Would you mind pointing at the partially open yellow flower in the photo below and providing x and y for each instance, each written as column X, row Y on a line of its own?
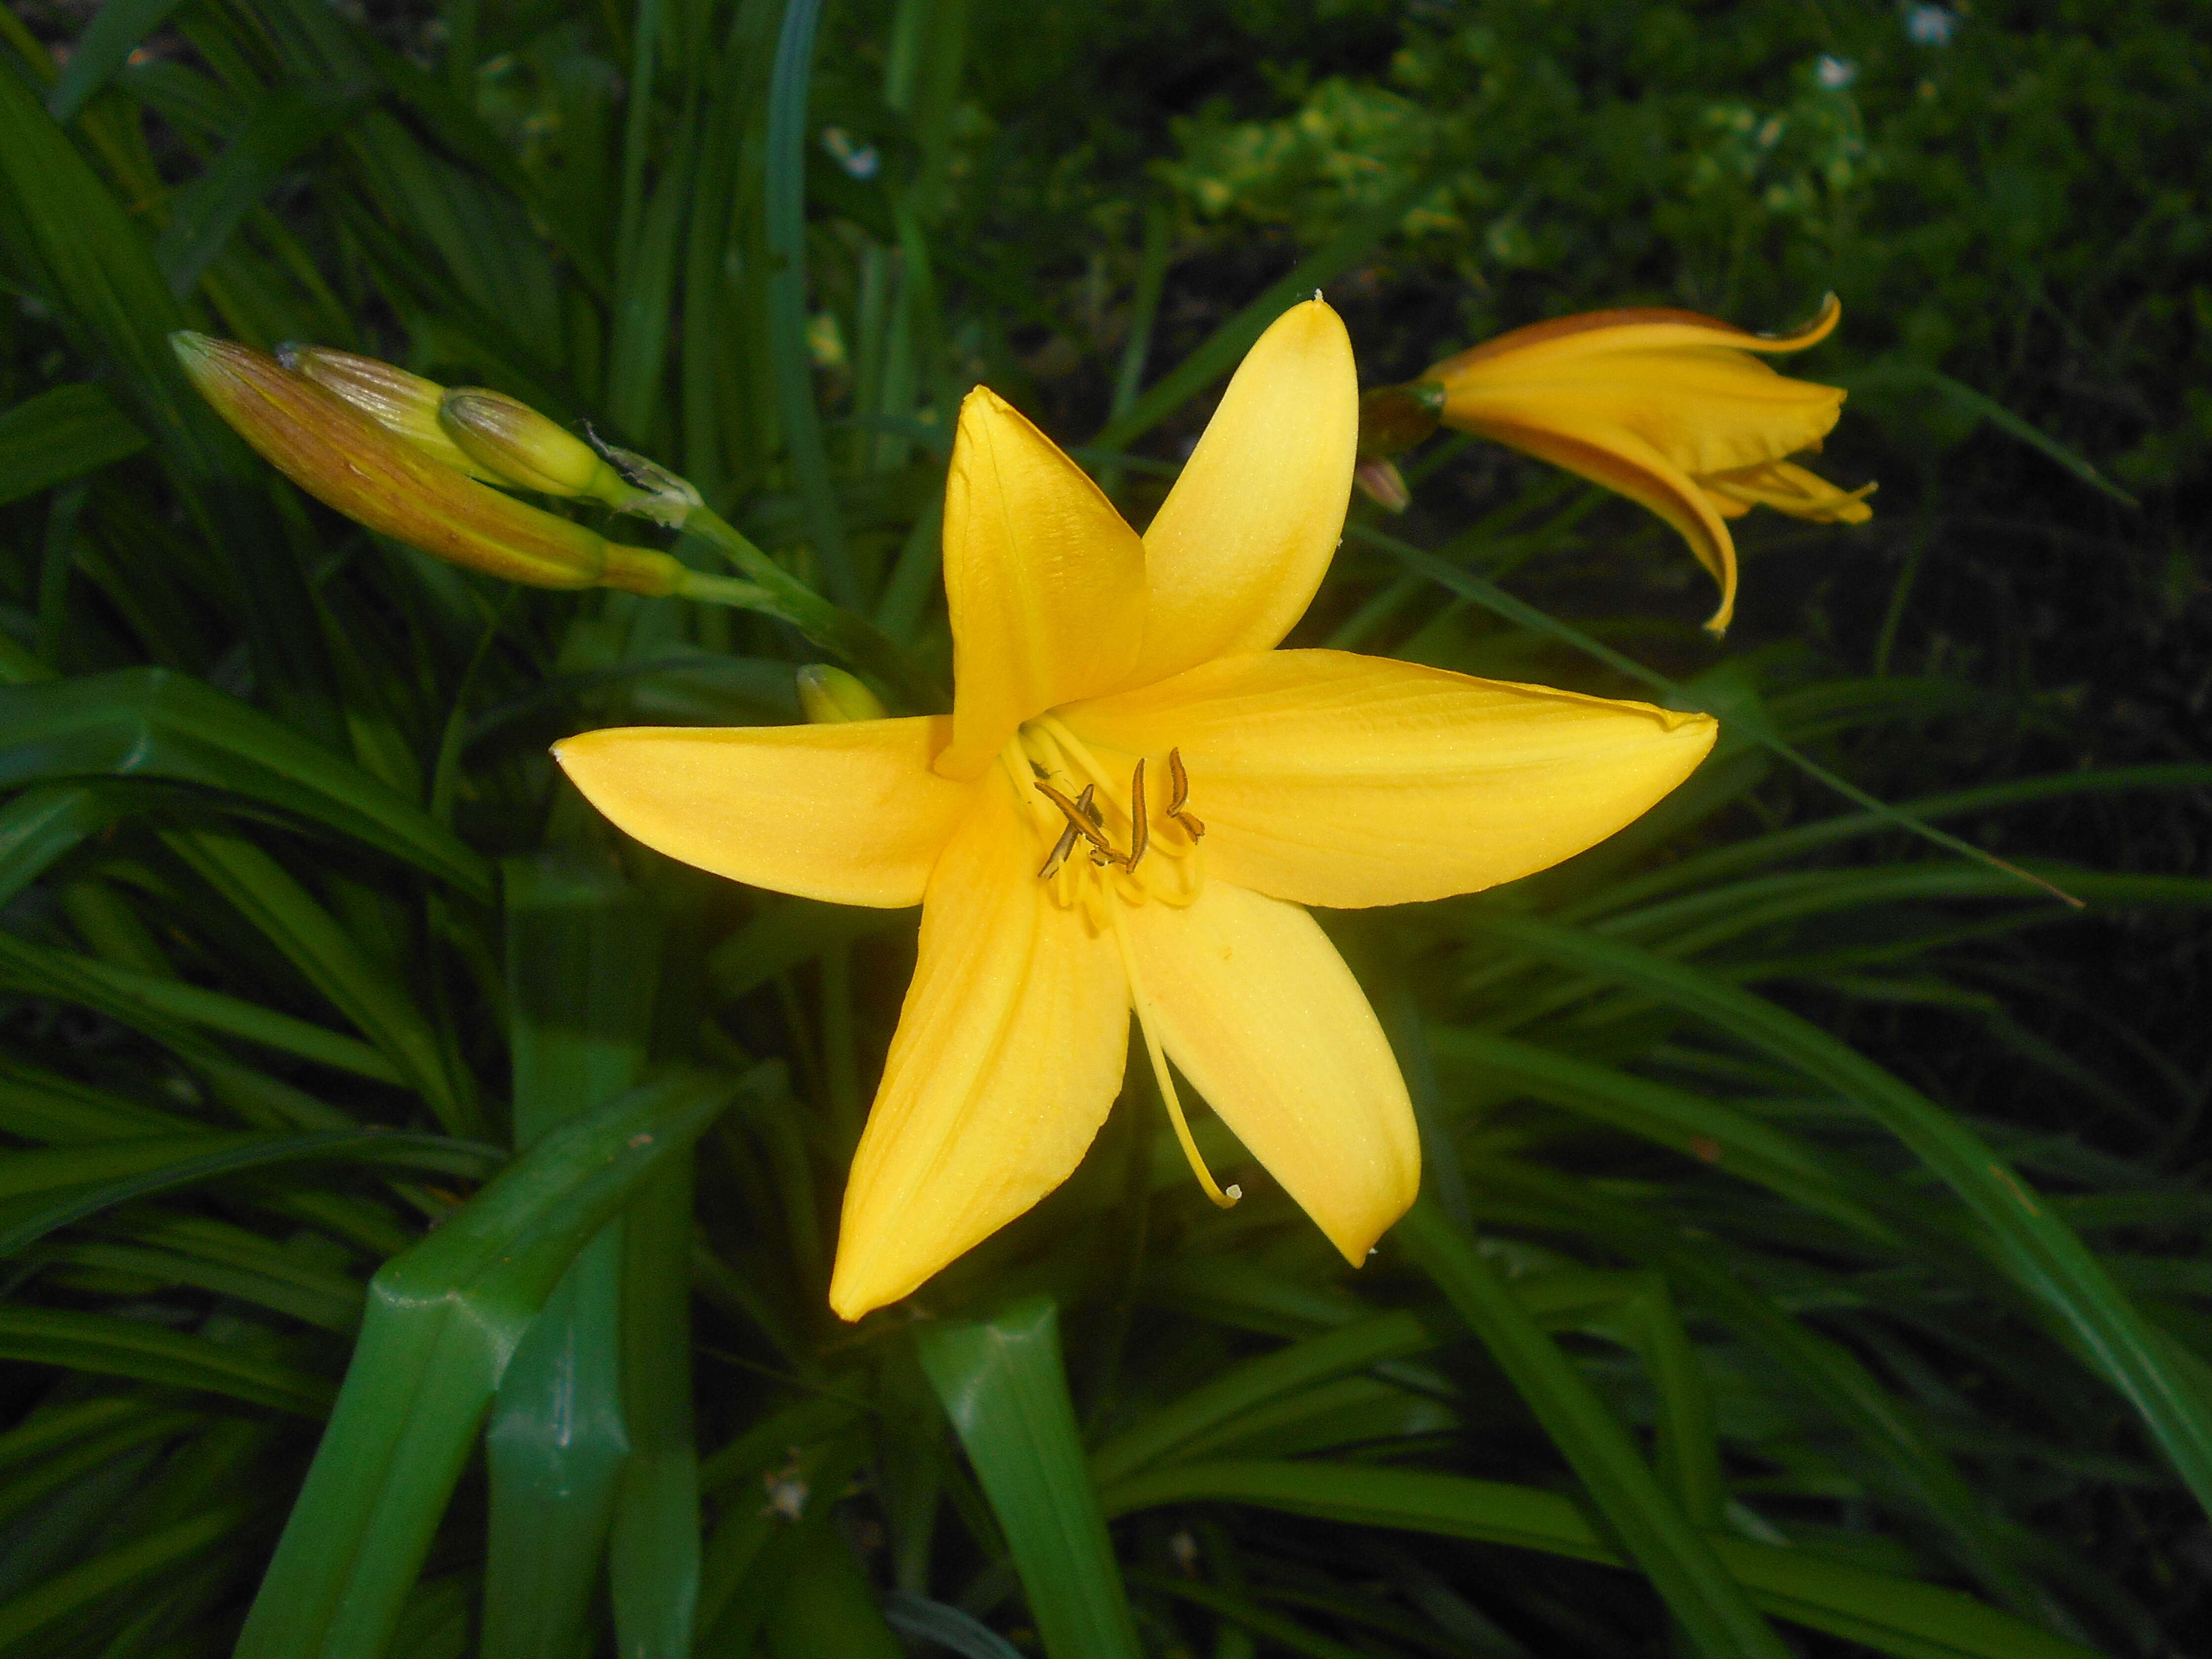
column 1131, row 802
column 1669, row 408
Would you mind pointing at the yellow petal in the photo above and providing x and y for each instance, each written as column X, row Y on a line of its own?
column 1008, row 1053
column 1706, row 409
column 1253, row 1003
column 851, row 814
column 1646, row 328
column 1624, row 464
column 1045, row 583
column 1332, row 778
column 1787, row 488
column 1237, row 551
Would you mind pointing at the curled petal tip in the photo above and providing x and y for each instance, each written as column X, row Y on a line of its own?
column 1822, row 324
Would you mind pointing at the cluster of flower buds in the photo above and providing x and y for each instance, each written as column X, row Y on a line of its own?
column 412, row 460
column 1670, row 409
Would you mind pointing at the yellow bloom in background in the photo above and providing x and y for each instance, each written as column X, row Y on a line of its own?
column 1132, row 801
column 1671, row 409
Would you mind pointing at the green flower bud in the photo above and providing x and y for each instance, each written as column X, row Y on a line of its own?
column 522, row 447
column 830, row 696
column 345, row 459
column 1377, row 477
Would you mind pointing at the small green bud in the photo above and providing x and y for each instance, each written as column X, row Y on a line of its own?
column 521, row 446
column 1393, row 418
column 1377, row 477
column 830, row 696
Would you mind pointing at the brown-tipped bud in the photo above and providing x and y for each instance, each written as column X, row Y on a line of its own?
column 522, row 447
column 403, row 404
column 346, row 460
column 1377, row 478
column 830, row 696
column 1393, row 418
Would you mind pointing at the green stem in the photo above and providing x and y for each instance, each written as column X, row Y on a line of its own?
column 775, row 591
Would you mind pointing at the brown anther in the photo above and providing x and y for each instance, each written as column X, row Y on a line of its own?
column 1078, row 820
column 1140, row 827
column 1193, row 826
column 1068, row 837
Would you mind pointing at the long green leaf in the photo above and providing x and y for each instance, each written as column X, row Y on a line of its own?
column 165, row 1009
column 173, row 1359
column 444, row 1322
column 785, row 214
column 151, row 723
column 61, row 434
column 582, row 962
column 2032, row 1242
column 96, row 1580
column 1676, row 1556
column 280, row 128
column 47, row 1190
column 263, row 892
column 115, row 32
column 1228, row 343
column 1892, row 1615
column 100, row 274
column 1002, row 1384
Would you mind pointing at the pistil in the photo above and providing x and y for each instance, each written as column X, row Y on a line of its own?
column 1224, row 1199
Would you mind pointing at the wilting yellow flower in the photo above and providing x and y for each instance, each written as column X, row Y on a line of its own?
column 1669, row 408
column 386, row 473
column 1130, row 803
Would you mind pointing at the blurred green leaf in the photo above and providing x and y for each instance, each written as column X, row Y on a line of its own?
column 173, row 1359
column 42, row 1191
column 1654, row 1532
column 1891, row 1615
column 148, row 722
column 61, row 434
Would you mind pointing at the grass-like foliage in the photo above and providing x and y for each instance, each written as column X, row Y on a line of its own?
column 418, row 1199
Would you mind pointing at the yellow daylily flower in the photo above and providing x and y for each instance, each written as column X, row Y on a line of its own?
column 1669, row 408
column 1132, row 802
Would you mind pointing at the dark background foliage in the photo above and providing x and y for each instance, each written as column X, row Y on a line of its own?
column 1068, row 201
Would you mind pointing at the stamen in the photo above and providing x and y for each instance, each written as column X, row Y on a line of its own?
column 1222, row 1199
column 1193, row 827
column 1140, row 827
column 1065, row 844
column 1079, row 821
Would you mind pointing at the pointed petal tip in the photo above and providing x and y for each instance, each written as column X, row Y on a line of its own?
column 1356, row 1242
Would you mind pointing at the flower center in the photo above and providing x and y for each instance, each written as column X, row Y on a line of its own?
column 1104, row 839
column 1105, row 847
